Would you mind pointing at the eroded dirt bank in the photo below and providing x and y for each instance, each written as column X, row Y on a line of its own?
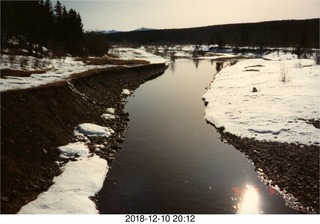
column 34, row 122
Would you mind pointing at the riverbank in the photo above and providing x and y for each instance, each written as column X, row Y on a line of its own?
column 292, row 169
column 267, row 109
column 36, row 121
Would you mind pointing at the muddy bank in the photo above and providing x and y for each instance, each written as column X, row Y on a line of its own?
column 34, row 122
column 293, row 168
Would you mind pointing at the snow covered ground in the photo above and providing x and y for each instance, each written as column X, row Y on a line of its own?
column 81, row 178
column 137, row 54
column 287, row 97
column 59, row 69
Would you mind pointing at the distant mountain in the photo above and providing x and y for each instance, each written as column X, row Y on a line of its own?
column 118, row 31
column 109, row 31
column 143, row 29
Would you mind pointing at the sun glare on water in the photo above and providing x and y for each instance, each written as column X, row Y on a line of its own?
column 247, row 200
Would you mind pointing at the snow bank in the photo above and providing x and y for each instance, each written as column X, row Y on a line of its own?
column 71, row 190
column 88, row 129
column 278, row 111
column 58, row 69
column 138, row 54
column 54, row 70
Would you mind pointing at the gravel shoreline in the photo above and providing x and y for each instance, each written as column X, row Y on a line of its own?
column 293, row 168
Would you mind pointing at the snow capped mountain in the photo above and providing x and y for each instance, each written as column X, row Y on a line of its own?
column 118, row 31
column 110, row 31
column 143, row 29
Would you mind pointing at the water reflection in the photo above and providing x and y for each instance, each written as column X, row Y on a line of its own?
column 172, row 66
column 196, row 63
column 247, row 200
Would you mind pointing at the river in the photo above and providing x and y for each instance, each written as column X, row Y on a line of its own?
column 172, row 161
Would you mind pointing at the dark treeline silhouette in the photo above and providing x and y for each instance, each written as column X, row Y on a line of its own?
column 288, row 33
column 40, row 23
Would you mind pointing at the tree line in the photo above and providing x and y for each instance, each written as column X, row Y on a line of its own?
column 53, row 26
column 287, row 33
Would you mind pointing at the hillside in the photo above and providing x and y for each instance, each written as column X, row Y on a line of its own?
column 288, row 33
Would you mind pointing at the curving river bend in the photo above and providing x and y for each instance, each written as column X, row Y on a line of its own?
column 174, row 162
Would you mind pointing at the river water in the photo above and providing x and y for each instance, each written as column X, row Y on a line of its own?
column 172, row 161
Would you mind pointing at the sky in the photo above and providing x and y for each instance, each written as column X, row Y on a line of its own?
column 165, row 14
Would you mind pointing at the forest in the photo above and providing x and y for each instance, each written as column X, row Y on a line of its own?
column 287, row 33
column 37, row 24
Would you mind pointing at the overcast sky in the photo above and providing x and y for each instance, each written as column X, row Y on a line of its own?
column 162, row 14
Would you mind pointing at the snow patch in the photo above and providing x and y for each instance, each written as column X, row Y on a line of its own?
column 73, row 150
column 71, row 190
column 137, row 54
column 278, row 110
column 81, row 178
column 89, row 129
column 110, row 110
column 126, row 92
column 108, row 116
column 280, row 56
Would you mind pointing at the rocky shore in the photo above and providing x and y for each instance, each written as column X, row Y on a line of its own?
column 34, row 122
column 293, row 169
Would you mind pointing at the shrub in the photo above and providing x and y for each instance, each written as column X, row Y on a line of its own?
column 284, row 73
column 12, row 58
column 317, row 58
column 23, row 62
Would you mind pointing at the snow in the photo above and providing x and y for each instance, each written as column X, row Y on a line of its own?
column 108, row 116
column 278, row 110
column 73, row 150
column 55, row 70
column 280, row 56
column 137, row 54
column 89, row 129
column 71, row 190
column 126, row 92
column 110, row 110
column 81, row 178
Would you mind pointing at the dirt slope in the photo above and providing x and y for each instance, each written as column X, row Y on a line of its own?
column 34, row 122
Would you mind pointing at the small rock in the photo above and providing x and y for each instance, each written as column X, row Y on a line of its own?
column 110, row 159
column 254, row 90
column 116, row 146
column 120, row 140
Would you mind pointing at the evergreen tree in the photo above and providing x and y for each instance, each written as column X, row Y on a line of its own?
column 38, row 22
